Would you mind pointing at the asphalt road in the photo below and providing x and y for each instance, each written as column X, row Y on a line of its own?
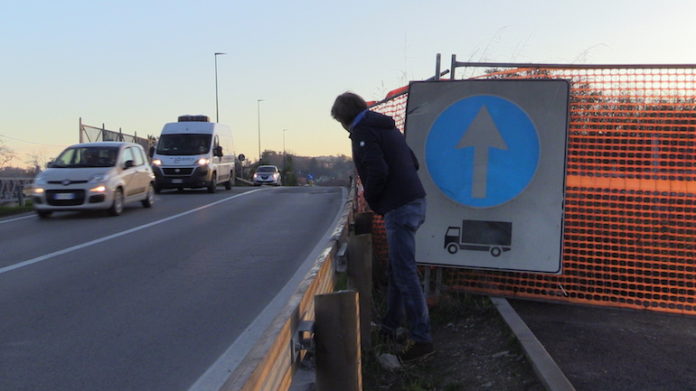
column 613, row 349
column 151, row 299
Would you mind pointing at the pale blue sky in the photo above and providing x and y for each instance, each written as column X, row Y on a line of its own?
column 139, row 64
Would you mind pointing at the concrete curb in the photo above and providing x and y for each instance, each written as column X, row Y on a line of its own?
column 543, row 364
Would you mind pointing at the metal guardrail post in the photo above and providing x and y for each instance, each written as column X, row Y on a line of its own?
column 337, row 339
column 360, row 278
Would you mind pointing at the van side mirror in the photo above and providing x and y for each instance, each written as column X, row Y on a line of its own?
column 128, row 164
column 218, row 151
column 49, row 164
column 151, row 151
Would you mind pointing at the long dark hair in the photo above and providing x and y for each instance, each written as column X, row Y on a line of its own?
column 346, row 107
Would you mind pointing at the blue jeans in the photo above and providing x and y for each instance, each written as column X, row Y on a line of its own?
column 405, row 293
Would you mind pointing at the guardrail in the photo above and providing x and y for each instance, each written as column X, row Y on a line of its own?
column 271, row 364
column 12, row 189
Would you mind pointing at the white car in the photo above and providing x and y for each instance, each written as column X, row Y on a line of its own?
column 267, row 175
column 105, row 175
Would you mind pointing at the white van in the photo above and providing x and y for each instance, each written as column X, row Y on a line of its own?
column 194, row 152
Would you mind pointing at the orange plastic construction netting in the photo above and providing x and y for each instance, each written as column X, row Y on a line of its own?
column 630, row 197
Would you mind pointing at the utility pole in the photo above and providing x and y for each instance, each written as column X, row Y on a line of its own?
column 258, row 114
column 217, row 110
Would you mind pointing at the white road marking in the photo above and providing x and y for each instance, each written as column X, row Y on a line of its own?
column 15, row 219
column 113, row 236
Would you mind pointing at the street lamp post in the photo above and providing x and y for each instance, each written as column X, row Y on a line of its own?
column 217, row 110
column 258, row 114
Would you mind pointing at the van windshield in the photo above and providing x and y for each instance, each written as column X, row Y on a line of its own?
column 183, row 144
column 81, row 157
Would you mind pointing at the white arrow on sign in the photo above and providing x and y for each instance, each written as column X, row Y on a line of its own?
column 482, row 134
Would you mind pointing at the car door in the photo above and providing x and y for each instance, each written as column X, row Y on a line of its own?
column 129, row 175
column 142, row 171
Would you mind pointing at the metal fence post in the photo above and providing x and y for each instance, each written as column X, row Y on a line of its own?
column 20, row 195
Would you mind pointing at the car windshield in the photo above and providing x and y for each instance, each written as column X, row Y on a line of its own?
column 80, row 157
column 183, row 144
column 267, row 169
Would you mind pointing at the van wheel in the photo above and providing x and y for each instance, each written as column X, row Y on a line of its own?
column 150, row 197
column 117, row 206
column 212, row 185
column 452, row 248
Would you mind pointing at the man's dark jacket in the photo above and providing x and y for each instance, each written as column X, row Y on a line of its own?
column 386, row 165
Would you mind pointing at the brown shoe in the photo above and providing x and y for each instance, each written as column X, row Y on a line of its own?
column 417, row 351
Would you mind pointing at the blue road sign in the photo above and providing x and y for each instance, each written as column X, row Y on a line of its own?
column 482, row 151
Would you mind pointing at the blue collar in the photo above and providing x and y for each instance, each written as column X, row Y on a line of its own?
column 357, row 119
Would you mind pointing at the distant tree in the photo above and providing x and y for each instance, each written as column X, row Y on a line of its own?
column 6, row 154
column 36, row 161
column 289, row 176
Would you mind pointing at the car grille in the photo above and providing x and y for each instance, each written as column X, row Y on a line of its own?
column 78, row 197
column 184, row 171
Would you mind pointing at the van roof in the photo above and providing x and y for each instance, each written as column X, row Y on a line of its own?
column 190, row 127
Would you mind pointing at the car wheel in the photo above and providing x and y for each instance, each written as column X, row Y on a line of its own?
column 117, row 206
column 150, row 197
column 229, row 183
column 44, row 214
column 452, row 248
column 212, row 185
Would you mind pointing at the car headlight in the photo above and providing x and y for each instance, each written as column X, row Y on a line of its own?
column 38, row 190
column 98, row 189
column 98, row 178
column 156, row 162
column 203, row 161
column 256, row 176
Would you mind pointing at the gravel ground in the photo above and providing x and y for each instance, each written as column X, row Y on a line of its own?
column 475, row 350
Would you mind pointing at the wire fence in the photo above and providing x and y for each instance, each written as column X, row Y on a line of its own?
column 12, row 189
column 90, row 133
column 630, row 207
